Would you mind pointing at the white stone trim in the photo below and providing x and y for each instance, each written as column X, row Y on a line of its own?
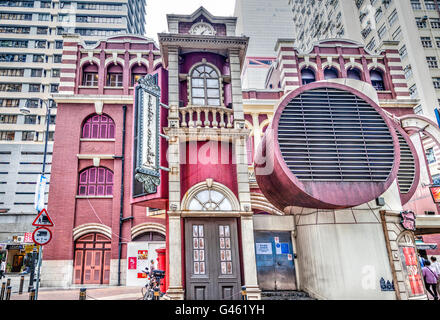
column 210, row 184
column 91, row 60
column 86, row 228
column 147, row 227
column 139, row 60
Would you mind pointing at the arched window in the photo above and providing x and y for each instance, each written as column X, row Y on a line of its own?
column 90, row 75
column 150, row 236
column 114, row 76
column 205, row 86
column 307, row 76
column 137, row 72
column 210, row 200
column 354, row 74
column 95, row 181
column 98, row 127
column 330, row 73
column 377, row 80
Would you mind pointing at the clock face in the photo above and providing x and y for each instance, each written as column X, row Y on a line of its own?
column 202, row 29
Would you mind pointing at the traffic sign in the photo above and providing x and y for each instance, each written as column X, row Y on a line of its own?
column 43, row 220
column 42, row 236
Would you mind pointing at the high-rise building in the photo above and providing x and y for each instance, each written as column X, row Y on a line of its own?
column 263, row 22
column 31, row 44
column 414, row 24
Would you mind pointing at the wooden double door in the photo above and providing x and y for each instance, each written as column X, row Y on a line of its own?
column 92, row 260
column 212, row 259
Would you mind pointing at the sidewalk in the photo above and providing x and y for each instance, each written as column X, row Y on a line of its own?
column 108, row 293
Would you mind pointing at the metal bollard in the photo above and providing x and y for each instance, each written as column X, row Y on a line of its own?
column 82, row 294
column 243, row 293
column 20, row 289
column 156, row 294
column 2, row 293
column 32, row 294
column 8, row 293
column 8, row 282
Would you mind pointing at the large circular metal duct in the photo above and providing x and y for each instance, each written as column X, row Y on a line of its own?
column 330, row 147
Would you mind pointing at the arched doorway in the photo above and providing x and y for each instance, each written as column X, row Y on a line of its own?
column 92, row 259
column 146, row 239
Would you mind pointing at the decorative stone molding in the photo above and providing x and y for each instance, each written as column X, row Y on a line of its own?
column 210, row 184
column 259, row 201
column 84, row 229
column 147, row 227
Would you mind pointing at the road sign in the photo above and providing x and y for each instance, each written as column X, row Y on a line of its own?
column 42, row 236
column 43, row 220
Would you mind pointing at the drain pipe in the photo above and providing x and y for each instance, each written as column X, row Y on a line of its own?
column 121, row 213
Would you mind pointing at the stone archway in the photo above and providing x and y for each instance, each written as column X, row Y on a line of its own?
column 421, row 124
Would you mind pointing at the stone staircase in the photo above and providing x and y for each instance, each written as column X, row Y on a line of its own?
column 285, row 295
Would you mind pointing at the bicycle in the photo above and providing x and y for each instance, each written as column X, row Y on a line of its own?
column 153, row 284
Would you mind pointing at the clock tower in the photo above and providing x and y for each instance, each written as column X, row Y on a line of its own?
column 209, row 220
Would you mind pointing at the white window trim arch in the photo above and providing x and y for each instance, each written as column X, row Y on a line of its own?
column 209, row 184
column 87, row 228
column 220, row 81
column 148, row 227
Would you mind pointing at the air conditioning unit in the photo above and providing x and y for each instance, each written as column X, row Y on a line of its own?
column 20, row 238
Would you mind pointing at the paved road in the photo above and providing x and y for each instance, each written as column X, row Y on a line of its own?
column 108, row 293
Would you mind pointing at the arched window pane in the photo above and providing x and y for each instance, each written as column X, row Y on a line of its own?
column 377, row 80
column 210, row 200
column 205, row 86
column 307, row 76
column 95, row 182
column 330, row 73
column 354, row 74
column 98, row 127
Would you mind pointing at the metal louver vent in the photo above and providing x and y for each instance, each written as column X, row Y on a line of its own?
column 328, row 134
column 407, row 170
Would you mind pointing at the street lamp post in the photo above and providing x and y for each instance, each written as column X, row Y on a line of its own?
column 50, row 103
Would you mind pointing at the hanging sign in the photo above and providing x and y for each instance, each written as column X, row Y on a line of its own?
column 43, row 220
column 42, row 236
column 39, row 193
column 147, row 137
column 28, row 237
column 408, row 220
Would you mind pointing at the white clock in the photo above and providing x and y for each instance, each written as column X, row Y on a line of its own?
column 202, row 28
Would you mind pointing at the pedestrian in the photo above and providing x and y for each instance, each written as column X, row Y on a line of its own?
column 421, row 261
column 435, row 265
column 431, row 278
column 152, row 265
column 2, row 269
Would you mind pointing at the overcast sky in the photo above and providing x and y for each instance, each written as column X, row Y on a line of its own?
column 158, row 9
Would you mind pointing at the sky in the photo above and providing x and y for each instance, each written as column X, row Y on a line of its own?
column 158, row 9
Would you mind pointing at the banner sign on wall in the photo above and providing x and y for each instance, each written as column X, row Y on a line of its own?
column 435, row 193
column 142, row 263
column 132, row 265
column 413, row 277
column 147, row 133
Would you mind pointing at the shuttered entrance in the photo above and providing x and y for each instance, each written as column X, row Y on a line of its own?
column 92, row 259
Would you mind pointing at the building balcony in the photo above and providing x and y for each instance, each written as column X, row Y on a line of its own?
column 206, row 117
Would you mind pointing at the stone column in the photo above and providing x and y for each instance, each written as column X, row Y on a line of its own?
column 175, row 289
column 237, row 98
column 249, row 265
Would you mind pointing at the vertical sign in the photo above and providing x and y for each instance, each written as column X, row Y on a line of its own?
column 411, row 270
column 39, row 193
column 147, row 136
column 142, row 263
